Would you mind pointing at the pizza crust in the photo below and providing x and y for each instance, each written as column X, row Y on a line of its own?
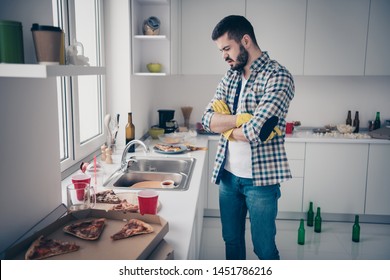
column 43, row 248
column 131, row 228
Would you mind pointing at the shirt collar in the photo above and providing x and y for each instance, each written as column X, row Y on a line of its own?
column 256, row 65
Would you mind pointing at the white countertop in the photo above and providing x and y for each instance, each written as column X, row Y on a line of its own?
column 309, row 136
column 334, row 137
column 177, row 207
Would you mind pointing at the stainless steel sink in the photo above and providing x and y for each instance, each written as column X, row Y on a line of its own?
column 143, row 168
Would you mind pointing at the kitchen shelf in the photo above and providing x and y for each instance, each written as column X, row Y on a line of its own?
column 149, row 74
column 45, row 71
column 150, row 37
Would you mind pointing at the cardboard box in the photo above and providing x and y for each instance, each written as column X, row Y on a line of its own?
column 163, row 251
column 133, row 248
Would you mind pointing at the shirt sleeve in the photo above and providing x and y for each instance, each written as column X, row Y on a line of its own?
column 220, row 94
column 278, row 92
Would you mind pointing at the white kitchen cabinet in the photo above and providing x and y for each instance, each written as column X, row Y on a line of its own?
column 280, row 29
column 150, row 48
column 200, row 55
column 212, row 189
column 378, row 180
column 292, row 190
column 335, row 177
column 378, row 42
column 336, row 34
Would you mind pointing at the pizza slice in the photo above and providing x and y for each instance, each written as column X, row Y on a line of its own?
column 167, row 148
column 132, row 228
column 43, row 248
column 87, row 230
column 125, row 206
column 108, row 196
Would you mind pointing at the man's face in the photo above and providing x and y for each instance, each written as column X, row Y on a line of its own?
column 232, row 52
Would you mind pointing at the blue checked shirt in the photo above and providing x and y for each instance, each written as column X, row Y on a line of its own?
column 268, row 92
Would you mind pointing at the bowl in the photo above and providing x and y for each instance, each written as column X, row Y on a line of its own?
column 154, row 67
column 345, row 128
column 172, row 138
column 154, row 132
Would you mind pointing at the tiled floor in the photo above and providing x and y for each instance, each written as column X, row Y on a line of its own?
column 333, row 243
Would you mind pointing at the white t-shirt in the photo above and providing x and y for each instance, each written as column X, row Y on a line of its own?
column 239, row 154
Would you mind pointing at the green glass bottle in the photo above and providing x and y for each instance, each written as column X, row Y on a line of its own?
column 310, row 215
column 377, row 122
column 318, row 220
column 356, row 230
column 301, row 233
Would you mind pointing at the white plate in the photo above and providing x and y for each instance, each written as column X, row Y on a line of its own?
column 182, row 149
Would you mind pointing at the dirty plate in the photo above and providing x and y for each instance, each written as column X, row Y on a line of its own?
column 170, row 149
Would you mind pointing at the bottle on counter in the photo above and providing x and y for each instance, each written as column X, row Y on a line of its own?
column 356, row 230
column 310, row 215
column 349, row 119
column 377, row 122
column 301, row 233
column 318, row 220
column 356, row 122
column 130, row 132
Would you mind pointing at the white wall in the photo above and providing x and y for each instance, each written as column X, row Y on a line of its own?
column 30, row 169
column 118, row 64
column 318, row 100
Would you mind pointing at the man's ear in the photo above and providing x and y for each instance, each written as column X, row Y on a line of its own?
column 246, row 40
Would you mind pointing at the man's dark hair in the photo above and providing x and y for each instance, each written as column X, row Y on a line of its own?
column 236, row 27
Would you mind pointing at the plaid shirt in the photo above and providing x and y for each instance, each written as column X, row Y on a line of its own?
column 268, row 92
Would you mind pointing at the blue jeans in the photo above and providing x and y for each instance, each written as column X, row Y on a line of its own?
column 237, row 196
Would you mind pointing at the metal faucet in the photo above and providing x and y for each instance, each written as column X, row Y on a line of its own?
column 125, row 162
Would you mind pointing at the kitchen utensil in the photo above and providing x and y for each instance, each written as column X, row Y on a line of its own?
column 167, row 184
column 80, row 196
column 47, row 42
column 186, row 114
column 147, row 202
column 151, row 26
column 107, row 120
column 154, row 67
column 155, row 132
column 172, row 138
column 182, row 148
column 289, row 127
column 164, row 116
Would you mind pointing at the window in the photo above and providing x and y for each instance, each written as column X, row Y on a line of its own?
column 81, row 100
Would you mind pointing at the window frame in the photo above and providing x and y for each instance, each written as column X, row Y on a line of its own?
column 74, row 151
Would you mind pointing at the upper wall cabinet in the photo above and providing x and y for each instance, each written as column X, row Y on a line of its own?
column 336, row 36
column 378, row 44
column 280, row 29
column 150, row 47
column 200, row 55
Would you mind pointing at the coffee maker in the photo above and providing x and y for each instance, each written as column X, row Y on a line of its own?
column 166, row 120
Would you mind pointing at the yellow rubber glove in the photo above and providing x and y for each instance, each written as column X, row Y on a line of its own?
column 275, row 132
column 220, row 107
column 242, row 118
column 228, row 133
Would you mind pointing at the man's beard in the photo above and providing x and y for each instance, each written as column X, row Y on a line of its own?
column 242, row 59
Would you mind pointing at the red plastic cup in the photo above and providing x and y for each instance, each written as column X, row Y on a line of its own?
column 78, row 181
column 147, row 202
column 289, row 128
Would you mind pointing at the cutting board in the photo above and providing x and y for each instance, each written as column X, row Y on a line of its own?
column 148, row 185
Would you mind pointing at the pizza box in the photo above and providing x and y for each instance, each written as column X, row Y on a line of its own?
column 163, row 251
column 138, row 247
